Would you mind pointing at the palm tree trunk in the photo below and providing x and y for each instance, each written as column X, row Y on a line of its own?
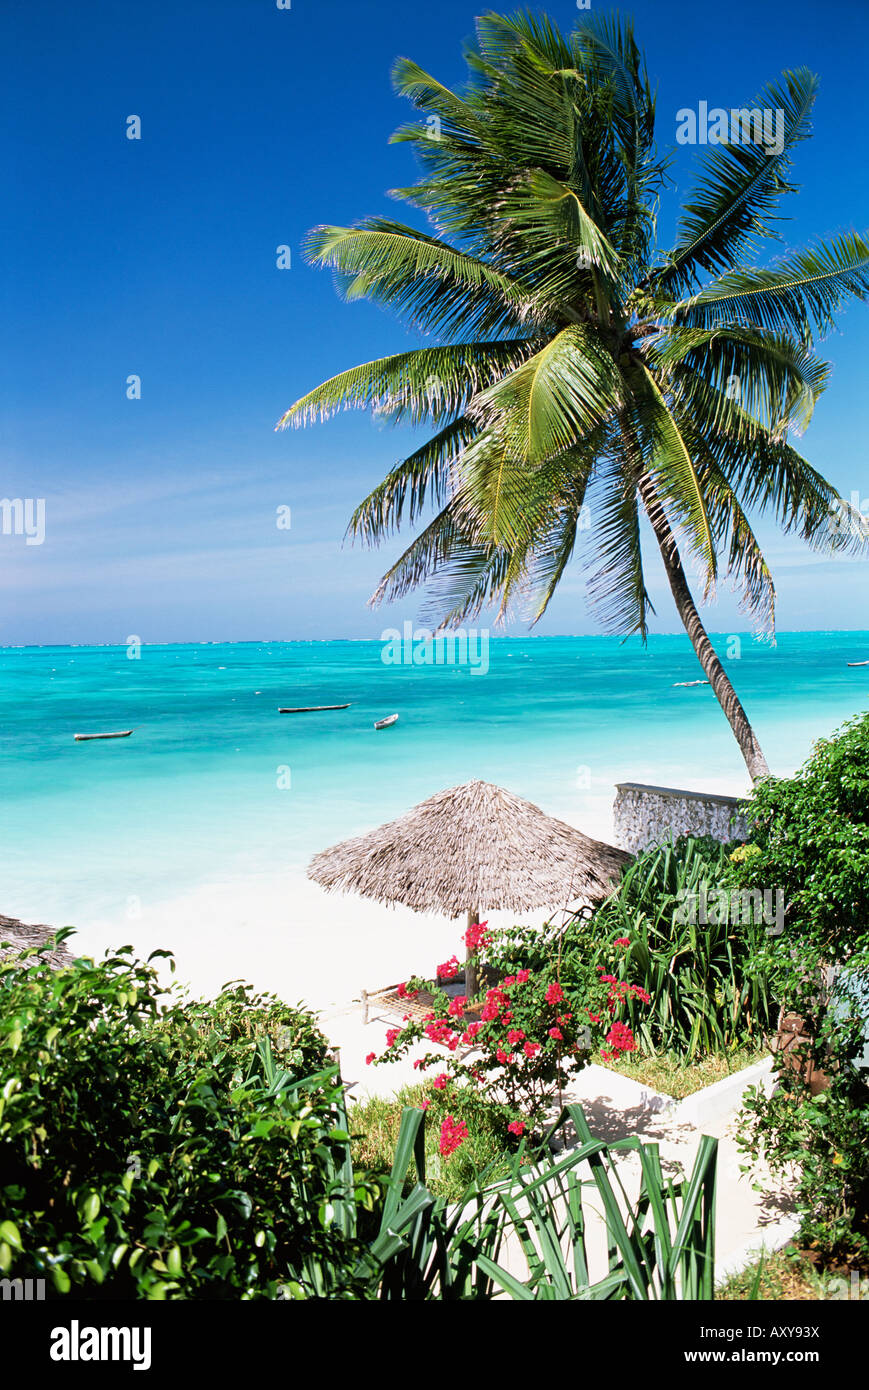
column 715, row 673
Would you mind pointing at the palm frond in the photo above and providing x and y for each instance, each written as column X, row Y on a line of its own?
column 420, row 478
column 553, row 398
column 775, row 379
column 432, row 383
column 803, row 289
column 740, row 185
column 436, row 287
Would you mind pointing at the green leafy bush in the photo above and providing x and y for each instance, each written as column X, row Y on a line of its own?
column 144, row 1150
column 692, row 945
column 810, row 834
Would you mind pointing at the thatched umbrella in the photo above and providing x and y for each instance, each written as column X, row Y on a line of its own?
column 21, row 935
column 470, row 848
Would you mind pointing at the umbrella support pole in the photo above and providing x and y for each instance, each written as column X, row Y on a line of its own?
column 470, row 967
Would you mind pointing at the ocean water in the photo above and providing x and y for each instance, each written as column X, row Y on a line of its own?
column 215, row 785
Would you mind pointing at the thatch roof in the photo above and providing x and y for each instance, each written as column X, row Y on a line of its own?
column 473, row 847
column 21, row 935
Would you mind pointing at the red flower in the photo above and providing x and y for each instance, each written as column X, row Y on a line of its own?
column 621, row 1039
column 439, row 1031
column 424, row 1104
column 457, row 1006
column 372, row 1056
column 449, row 969
column 477, row 936
column 531, row 1049
column 470, row 1033
column 391, row 1036
column 516, row 1126
column 595, row 1018
column 555, row 993
column 441, row 1081
column 453, row 1135
column 404, row 993
column 515, row 1035
column 621, row 941
column 557, row 1034
column 522, row 976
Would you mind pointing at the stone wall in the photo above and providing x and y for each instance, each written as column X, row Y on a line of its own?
column 644, row 815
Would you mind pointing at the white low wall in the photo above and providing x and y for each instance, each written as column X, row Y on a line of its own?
column 645, row 815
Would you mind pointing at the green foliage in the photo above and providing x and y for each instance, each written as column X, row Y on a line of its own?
column 810, row 834
column 706, row 994
column 150, row 1148
column 827, row 1135
column 661, row 1244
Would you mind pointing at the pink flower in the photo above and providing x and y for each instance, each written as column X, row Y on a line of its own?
column 621, row 941
column 477, row 936
column 453, row 1135
column 372, row 1056
column 554, row 993
column 531, row 1049
column 392, row 1036
column 424, row 1104
column 441, row 1081
column 522, row 976
column 470, row 1033
column 621, row 1039
column 439, row 1031
column 516, row 1127
column 557, row 1034
column 449, row 969
column 515, row 1035
column 457, row 1006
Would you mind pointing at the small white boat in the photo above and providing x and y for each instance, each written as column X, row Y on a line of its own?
column 858, row 663
column 676, row 683
column 84, row 738
column 385, row 723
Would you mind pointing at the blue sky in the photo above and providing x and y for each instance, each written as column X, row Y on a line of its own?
column 157, row 258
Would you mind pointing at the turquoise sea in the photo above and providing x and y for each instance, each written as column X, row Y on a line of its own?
column 215, row 784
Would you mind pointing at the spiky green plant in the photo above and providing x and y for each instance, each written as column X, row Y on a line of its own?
column 573, row 369
column 706, row 994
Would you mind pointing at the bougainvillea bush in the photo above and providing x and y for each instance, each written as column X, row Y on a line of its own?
column 540, row 1017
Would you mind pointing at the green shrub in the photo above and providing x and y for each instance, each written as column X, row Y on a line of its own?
column 144, row 1151
column 810, row 834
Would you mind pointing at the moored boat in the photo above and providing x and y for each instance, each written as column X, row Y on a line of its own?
column 85, row 738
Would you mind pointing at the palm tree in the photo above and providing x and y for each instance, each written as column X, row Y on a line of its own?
column 572, row 369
